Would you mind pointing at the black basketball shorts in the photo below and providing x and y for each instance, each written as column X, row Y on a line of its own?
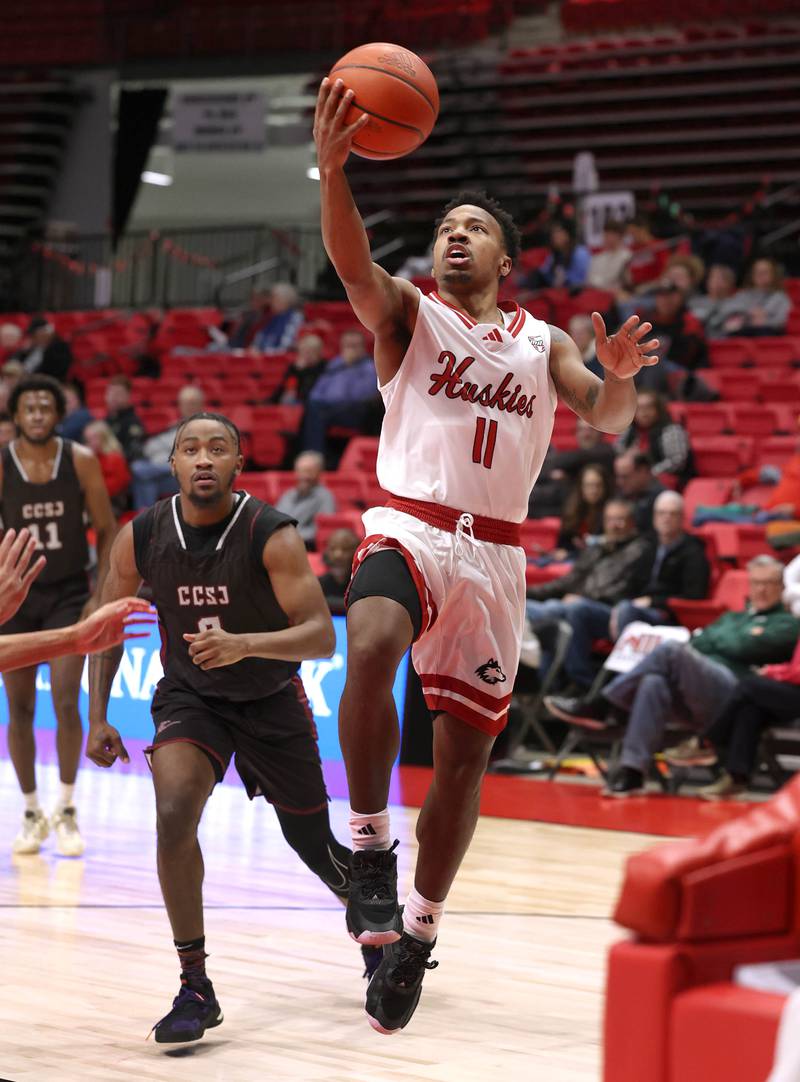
column 273, row 741
column 47, row 607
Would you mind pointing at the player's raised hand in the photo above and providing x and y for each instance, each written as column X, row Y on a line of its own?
column 104, row 745
column 16, row 571
column 625, row 352
column 114, row 623
column 332, row 135
column 214, row 648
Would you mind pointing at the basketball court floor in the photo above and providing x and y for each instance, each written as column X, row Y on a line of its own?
column 88, row 964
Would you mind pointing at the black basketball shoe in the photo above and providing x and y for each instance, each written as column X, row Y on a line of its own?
column 194, row 1010
column 394, row 991
column 372, row 959
column 373, row 916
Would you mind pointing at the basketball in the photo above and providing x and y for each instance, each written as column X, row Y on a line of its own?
column 398, row 92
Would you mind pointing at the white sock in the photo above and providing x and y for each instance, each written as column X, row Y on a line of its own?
column 66, row 795
column 421, row 917
column 370, row 831
column 31, row 801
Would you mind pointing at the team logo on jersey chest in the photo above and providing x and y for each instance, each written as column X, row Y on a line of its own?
column 507, row 396
column 203, row 595
column 537, row 342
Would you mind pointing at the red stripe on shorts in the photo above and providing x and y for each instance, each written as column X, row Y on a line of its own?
column 452, row 683
column 465, row 713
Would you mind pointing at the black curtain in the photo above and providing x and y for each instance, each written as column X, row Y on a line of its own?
column 138, row 117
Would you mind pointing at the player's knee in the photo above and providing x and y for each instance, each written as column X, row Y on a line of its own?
column 177, row 816
column 374, row 650
column 66, row 710
column 463, row 762
column 20, row 714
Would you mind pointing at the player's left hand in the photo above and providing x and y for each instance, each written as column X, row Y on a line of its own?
column 625, row 352
column 214, row 648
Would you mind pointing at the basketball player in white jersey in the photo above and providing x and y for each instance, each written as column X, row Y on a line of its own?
column 470, row 389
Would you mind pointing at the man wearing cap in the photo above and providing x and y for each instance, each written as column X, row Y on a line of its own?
column 45, row 353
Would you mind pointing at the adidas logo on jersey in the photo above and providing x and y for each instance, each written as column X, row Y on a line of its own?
column 493, row 336
column 368, row 831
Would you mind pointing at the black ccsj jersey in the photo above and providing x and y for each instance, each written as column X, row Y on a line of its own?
column 213, row 577
column 53, row 512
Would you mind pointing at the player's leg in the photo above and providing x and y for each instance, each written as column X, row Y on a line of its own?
column 184, row 776
column 384, row 617
column 65, row 684
column 20, row 687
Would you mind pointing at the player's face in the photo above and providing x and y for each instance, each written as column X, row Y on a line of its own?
column 36, row 416
column 206, row 462
column 469, row 249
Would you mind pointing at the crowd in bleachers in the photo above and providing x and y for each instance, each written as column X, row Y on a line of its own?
column 648, row 526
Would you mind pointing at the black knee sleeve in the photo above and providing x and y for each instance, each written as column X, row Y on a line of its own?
column 311, row 838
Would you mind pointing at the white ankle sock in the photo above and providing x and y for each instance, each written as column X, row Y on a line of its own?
column 370, row 831
column 31, row 801
column 421, row 917
column 66, row 795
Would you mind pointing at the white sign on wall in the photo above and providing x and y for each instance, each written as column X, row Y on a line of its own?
column 218, row 121
column 600, row 207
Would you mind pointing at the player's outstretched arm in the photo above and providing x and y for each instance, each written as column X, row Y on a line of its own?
column 104, row 744
column 381, row 302
column 608, row 404
column 310, row 632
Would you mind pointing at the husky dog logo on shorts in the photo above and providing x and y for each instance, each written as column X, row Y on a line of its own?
column 537, row 343
column 491, row 673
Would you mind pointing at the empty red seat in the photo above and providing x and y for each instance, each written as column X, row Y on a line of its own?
column 785, row 389
column 778, row 352
column 721, row 456
column 706, row 419
column 539, row 535
column 730, row 353
column 753, row 420
column 776, row 450
column 341, row 520
column 729, row 596
column 347, row 489
column 360, row 454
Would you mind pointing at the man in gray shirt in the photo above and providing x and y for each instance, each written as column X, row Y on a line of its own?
column 308, row 498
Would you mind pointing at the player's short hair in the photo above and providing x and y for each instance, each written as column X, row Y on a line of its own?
column 38, row 383
column 479, row 198
column 205, row 415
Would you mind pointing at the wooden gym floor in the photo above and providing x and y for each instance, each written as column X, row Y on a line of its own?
column 88, row 964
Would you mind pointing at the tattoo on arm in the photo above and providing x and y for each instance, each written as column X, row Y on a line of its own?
column 102, row 670
column 575, row 402
column 557, row 335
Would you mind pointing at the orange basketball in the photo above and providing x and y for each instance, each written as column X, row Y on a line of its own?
column 399, row 93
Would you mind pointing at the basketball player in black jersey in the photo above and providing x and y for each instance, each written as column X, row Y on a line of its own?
column 46, row 485
column 239, row 608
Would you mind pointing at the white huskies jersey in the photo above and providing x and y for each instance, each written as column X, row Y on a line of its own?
column 469, row 414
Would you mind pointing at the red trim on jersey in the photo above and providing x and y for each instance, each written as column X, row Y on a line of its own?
column 440, row 517
column 380, row 543
column 517, row 322
column 452, row 683
column 467, row 320
column 464, row 713
column 305, row 705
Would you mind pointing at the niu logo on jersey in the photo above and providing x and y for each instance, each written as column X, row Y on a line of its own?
column 491, row 673
column 503, row 397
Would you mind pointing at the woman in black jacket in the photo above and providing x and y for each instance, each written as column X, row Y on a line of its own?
column 654, row 433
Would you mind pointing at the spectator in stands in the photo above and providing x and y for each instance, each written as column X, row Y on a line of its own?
column 582, row 518
column 782, row 504
column 108, row 451
column 77, row 416
column 763, row 306
column 244, row 330
column 761, row 700
column 607, row 267
column 682, row 339
column 303, row 373
column 711, row 307
column 581, row 331
column 561, row 469
column 309, row 497
column 686, row 272
column 8, row 430
column 567, row 264
column 678, row 568
column 615, row 568
column 279, row 333
column 338, row 558
column 11, row 373
column 44, row 352
column 687, row 683
column 344, row 395
column 654, row 433
column 10, row 338
column 123, row 419
column 648, row 255
column 152, row 473
column 633, row 474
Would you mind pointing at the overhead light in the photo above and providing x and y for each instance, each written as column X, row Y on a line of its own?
column 163, row 180
column 312, row 172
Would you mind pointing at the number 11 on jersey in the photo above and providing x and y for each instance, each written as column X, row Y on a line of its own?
column 483, row 444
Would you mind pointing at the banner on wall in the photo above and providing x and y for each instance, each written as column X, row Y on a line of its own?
column 600, row 207
column 218, row 121
column 140, row 670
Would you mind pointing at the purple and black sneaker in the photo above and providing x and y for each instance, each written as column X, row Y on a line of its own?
column 194, row 1010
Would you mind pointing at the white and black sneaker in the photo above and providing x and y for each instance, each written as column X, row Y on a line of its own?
column 32, row 833
column 373, row 915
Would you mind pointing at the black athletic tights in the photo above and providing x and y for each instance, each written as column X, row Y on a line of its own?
column 311, row 838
